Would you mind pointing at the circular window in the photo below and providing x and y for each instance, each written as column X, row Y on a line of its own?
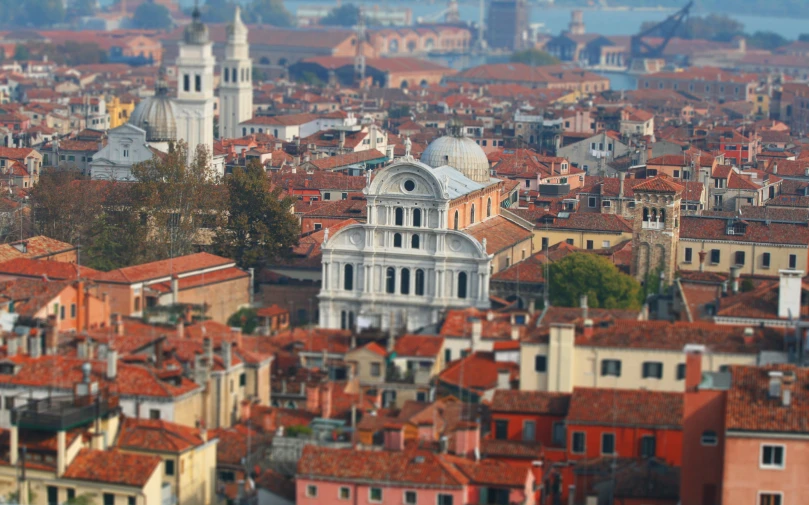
column 409, row 185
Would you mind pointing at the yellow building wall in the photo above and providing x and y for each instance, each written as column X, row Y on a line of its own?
column 753, row 256
column 579, row 238
column 119, row 111
column 189, row 410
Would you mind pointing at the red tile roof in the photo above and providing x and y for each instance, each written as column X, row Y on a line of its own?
column 494, row 473
column 419, row 346
column 530, row 402
column 499, row 233
column 113, row 467
column 29, row 296
column 379, row 466
column 492, row 448
column 750, row 408
column 35, row 247
column 158, row 435
column 477, row 372
column 700, row 228
column 164, row 268
column 55, row 270
column 660, row 184
column 626, row 407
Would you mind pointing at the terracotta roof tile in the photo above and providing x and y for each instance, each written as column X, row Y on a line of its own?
column 702, row 228
column 622, row 407
column 492, row 448
column 56, row 270
column 164, row 268
column 419, row 346
column 659, row 184
column 750, row 408
column 499, row 233
column 113, row 467
column 530, row 402
column 158, row 435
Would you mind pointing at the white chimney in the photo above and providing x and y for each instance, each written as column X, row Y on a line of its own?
column 504, row 379
column 789, row 293
column 477, row 334
column 112, row 364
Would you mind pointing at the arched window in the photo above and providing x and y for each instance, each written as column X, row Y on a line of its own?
column 462, row 282
column 645, row 214
column 343, row 320
column 227, row 75
column 348, row 277
column 397, row 240
column 414, row 242
column 420, row 282
column 417, row 218
column 662, row 215
column 399, row 216
column 404, row 285
column 654, row 214
column 390, row 280
column 350, row 320
column 489, row 208
column 472, row 215
column 456, row 220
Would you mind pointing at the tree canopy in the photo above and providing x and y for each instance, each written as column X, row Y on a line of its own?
column 533, row 57
column 260, row 227
column 595, row 276
column 271, row 12
column 344, row 15
column 152, row 15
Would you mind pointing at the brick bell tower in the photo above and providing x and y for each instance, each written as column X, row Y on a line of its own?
column 656, row 228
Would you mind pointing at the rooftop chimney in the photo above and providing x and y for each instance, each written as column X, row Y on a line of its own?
column 734, row 278
column 693, row 366
column 504, row 378
column 584, row 309
column 749, row 335
column 477, row 334
column 588, row 328
column 789, row 293
column 467, row 439
column 787, row 388
column 702, row 255
column 35, row 346
column 515, row 332
column 227, row 354
column 51, row 336
column 118, row 325
column 11, row 345
column 394, row 436
column 112, row 364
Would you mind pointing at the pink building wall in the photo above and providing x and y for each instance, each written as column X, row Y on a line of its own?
column 743, row 477
column 329, row 493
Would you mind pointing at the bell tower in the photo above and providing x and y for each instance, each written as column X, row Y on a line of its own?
column 235, row 82
column 656, row 230
column 195, row 97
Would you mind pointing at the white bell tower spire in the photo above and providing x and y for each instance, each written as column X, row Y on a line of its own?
column 235, row 83
column 195, row 97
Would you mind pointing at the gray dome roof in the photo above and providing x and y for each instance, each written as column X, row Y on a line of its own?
column 155, row 115
column 196, row 33
column 461, row 153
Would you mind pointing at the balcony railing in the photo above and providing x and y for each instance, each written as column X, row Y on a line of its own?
column 63, row 412
column 653, row 225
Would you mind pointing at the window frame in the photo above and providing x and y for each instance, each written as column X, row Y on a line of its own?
column 680, row 371
column 604, row 368
column 169, row 468
column 644, row 454
column 573, row 436
column 309, row 488
column 793, row 261
column 761, row 494
column 715, row 435
column 340, row 490
column 445, row 495
column 543, row 359
column 646, row 367
column 370, row 495
column 718, row 254
column 415, row 497
column 688, row 255
column 772, row 466
column 607, row 434
column 766, row 260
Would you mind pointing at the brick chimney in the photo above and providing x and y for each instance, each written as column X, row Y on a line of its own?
column 51, row 336
column 81, row 308
column 394, row 436
column 702, row 254
column 477, row 334
column 588, row 328
column 467, row 439
column 693, row 366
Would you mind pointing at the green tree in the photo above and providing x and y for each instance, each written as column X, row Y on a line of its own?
column 766, row 40
column 533, row 57
column 595, row 276
column 181, row 202
column 345, row 15
column 41, row 13
column 246, row 319
column 65, row 206
column 271, row 12
column 21, row 53
column 117, row 240
column 260, row 227
column 152, row 15
column 218, row 11
column 81, row 8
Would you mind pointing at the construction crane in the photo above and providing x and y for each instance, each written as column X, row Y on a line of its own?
column 666, row 29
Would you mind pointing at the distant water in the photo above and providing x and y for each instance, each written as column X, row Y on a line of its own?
column 605, row 22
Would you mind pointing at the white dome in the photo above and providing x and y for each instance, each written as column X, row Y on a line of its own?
column 461, row 153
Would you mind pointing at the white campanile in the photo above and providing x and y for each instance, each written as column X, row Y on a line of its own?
column 195, row 98
column 235, row 83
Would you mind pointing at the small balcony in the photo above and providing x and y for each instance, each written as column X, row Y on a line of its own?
column 61, row 413
column 652, row 225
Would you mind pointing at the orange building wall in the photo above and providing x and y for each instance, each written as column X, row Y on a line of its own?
column 703, row 410
column 627, row 442
column 743, row 478
column 479, row 199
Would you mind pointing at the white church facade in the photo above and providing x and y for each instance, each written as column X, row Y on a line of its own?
column 189, row 117
column 412, row 260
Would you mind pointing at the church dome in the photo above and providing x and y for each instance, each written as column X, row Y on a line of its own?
column 155, row 115
column 461, row 153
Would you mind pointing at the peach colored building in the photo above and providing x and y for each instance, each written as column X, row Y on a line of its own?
column 201, row 278
column 746, row 435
